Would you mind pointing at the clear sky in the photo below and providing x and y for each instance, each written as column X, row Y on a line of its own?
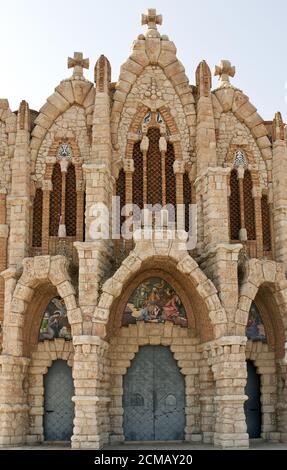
column 37, row 36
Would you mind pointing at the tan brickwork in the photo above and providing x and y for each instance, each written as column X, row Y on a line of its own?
column 157, row 133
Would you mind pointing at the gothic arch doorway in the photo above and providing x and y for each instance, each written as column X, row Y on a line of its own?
column 154, row 397
column 58, row 405
column 252, row 406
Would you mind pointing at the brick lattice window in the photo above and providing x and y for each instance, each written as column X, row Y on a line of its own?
column 266, row 223
column 121, row 192
column 71, row 202
column 249, row 209
column 37, row 218
column 55, row 201
column 154, row 186
column 170, row 176
column 234, row 206
column 138, row 176
column 187, row 199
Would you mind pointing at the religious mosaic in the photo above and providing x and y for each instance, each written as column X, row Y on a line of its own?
column 154, row 301
column 255, row 330
column 55, row 322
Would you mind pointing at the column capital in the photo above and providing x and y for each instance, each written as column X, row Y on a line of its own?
column 90, row 340
column 47, row 185
column 128, row 165
column 256, row 192
column 179, row 167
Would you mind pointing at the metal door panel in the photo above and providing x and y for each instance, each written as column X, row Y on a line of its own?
column 169, row 396
column 138, row 398
column 154, row 397
column 58, row 405
column 252, row 406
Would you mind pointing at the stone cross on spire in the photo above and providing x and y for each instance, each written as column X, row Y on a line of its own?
column 78, row 63
column 224, row 70
column 151, row 19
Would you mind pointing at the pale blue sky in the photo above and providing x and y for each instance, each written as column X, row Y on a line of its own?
column 36, row 37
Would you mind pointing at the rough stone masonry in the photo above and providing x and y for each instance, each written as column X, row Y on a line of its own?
column 151, row 137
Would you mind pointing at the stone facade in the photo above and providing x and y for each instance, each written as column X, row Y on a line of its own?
column 150, row 138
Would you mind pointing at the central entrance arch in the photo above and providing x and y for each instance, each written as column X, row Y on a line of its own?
column 154, row 397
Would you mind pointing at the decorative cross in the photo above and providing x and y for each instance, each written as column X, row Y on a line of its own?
column 151, row 19
column 224, row 70
column 78, row 63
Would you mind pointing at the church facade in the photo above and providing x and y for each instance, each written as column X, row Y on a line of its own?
column 174, row 328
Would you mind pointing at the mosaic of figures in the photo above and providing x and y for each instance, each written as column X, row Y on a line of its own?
column 55, row 321
column 255, row 330
column 154, row 301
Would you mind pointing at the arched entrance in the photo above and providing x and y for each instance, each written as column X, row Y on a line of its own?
column 58, row 405
column 252, row 406
column 154, row 397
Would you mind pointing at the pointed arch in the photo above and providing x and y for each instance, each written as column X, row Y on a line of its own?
column 234, row 101
column 265, row 284
column 67, row 94
column 175, row 263
column 43, row 277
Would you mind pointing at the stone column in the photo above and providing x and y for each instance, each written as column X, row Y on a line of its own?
column 220, row 263
column 227, row 356
column 4, row 232
column 280, row 189
column 214, row 190
column 282, row 398
column 80, row 211
column 20, row 199
column 129, row 168
column 91, row 372
column 95, row 252
column 10, row 277
column 257, row 195
column 205, row 129
column 178, row 169
column 14, row 420
column 93, row 264
column 206, row 399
